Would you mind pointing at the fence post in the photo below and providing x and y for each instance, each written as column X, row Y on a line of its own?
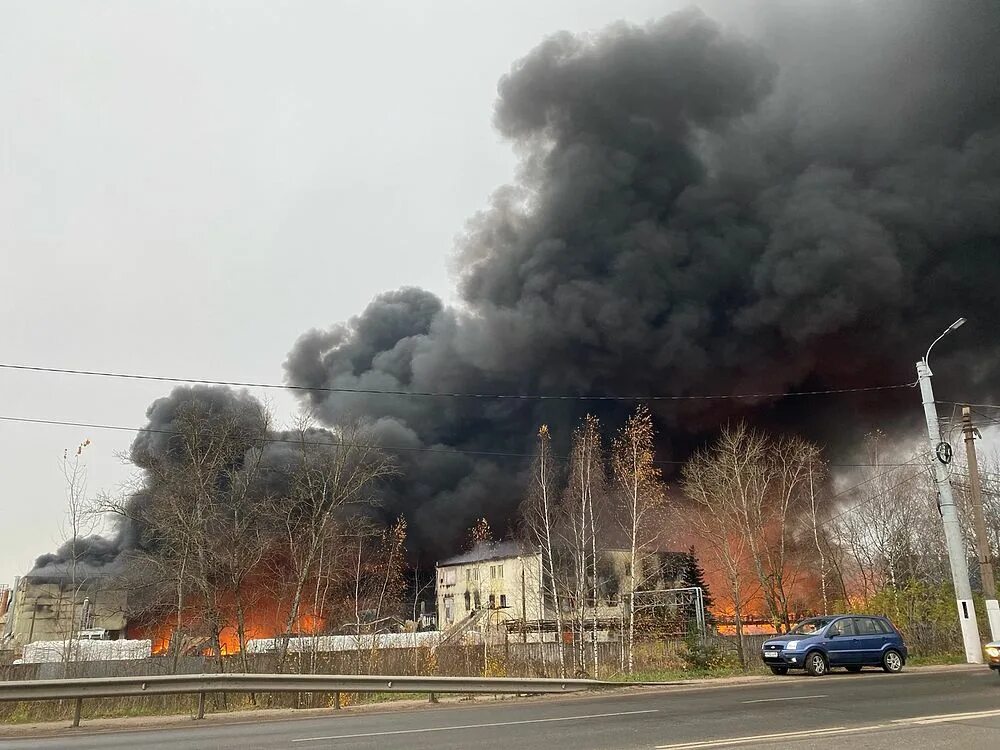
column 432, row 698
column 201, row 706
column 336, row 700
column 77, row 708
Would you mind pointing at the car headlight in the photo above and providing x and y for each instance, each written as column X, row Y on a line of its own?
column 993, row 651
column 792, row 645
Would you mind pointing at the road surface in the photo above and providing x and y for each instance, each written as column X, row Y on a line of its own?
column 945, row 709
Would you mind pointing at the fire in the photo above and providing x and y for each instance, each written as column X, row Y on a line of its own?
column 801, row 587
column 258, row 622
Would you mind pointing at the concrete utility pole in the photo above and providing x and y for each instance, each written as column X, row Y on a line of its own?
column 949, row 513
column 982, row 540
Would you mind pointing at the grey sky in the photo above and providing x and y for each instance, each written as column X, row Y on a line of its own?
column 187, row 187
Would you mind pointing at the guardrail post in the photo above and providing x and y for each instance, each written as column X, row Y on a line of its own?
column 432, row 698
column 77, row 708
column 336, row 700
column 201, row 706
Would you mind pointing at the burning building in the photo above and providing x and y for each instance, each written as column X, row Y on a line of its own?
column 46, row 608
column 502, row 586
column 700, row 215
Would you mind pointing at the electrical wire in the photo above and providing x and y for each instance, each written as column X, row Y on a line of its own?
column 386, row 448
column 970, row 404
column 447, row 394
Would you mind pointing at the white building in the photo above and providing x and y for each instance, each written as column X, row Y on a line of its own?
column 500, row 582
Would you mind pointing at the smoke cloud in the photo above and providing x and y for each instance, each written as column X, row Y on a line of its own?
column 698, row 211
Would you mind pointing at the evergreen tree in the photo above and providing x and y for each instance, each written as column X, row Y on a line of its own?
column 694, row 576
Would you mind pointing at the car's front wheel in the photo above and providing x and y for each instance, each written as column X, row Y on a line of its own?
column 778, row 670
column 816, row 664
column 892, row 661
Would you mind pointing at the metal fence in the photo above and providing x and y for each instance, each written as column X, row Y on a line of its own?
column 112, row 687
column 509, row 658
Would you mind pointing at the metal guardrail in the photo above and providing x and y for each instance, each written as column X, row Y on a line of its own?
column 201, row 684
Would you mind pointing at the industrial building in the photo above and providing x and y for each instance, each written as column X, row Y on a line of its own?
column 51, row 609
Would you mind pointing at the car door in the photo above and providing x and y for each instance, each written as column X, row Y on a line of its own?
column 841, row 643
column 869, row 639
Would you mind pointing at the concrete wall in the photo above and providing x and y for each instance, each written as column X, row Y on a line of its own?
column 54, row 611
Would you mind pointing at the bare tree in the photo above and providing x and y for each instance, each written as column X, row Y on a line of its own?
column 716, row 522
column 585, row 489
column 332, row 477
column 79, row 522
column 641, row 498
column 816, row 475
column 888, row 525
column 539, row 517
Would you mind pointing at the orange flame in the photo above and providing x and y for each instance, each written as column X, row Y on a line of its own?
column 258, row 622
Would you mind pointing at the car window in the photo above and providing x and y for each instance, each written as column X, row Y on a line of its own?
column 810, row 626
column 881, row 627
column 865, row 626
column 843, row 627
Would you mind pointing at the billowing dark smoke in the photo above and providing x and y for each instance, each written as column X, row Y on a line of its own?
column 698, row 212
column 212, row 412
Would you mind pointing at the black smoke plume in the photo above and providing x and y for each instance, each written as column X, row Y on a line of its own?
column 696, row 212
column 699, row 212
column 176, row 424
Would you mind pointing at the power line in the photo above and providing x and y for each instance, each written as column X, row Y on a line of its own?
column 966, row 403
column 386, row 448
column 860, row 503
column 291, row 441
column 447, row 394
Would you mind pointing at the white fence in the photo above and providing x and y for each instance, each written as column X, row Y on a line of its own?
column 54, row 652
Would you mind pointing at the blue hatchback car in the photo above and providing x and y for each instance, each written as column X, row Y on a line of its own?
column 851, row 641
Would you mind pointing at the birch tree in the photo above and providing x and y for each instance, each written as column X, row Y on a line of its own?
column 585, row 489
column 641, row 499
column 539, row 517
column 78, row 523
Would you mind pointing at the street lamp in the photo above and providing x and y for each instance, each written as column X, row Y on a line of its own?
column 940, row 457
column 953, row 327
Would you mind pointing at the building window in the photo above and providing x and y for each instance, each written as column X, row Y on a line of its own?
column 496, row 571
column 479, row 602
column 449, row 609
column 449, row 577
column 493, row 601
column 468, row 601
column 503, row 600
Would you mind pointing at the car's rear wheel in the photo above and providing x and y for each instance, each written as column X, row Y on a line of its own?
column 892, row 661
column 853, row 668
column 816, row 664
column 778, row 670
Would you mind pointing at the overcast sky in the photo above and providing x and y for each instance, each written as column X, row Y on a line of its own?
column 185, row 187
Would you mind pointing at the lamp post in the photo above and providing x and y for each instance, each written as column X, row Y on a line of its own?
column 940, row 457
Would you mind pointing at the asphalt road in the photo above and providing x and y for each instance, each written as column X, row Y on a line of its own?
column 955, row 708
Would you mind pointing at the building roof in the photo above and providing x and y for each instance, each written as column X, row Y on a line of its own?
column 489, row 551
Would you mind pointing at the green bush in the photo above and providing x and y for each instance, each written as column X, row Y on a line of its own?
column 925, row 614
column 701, row 654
